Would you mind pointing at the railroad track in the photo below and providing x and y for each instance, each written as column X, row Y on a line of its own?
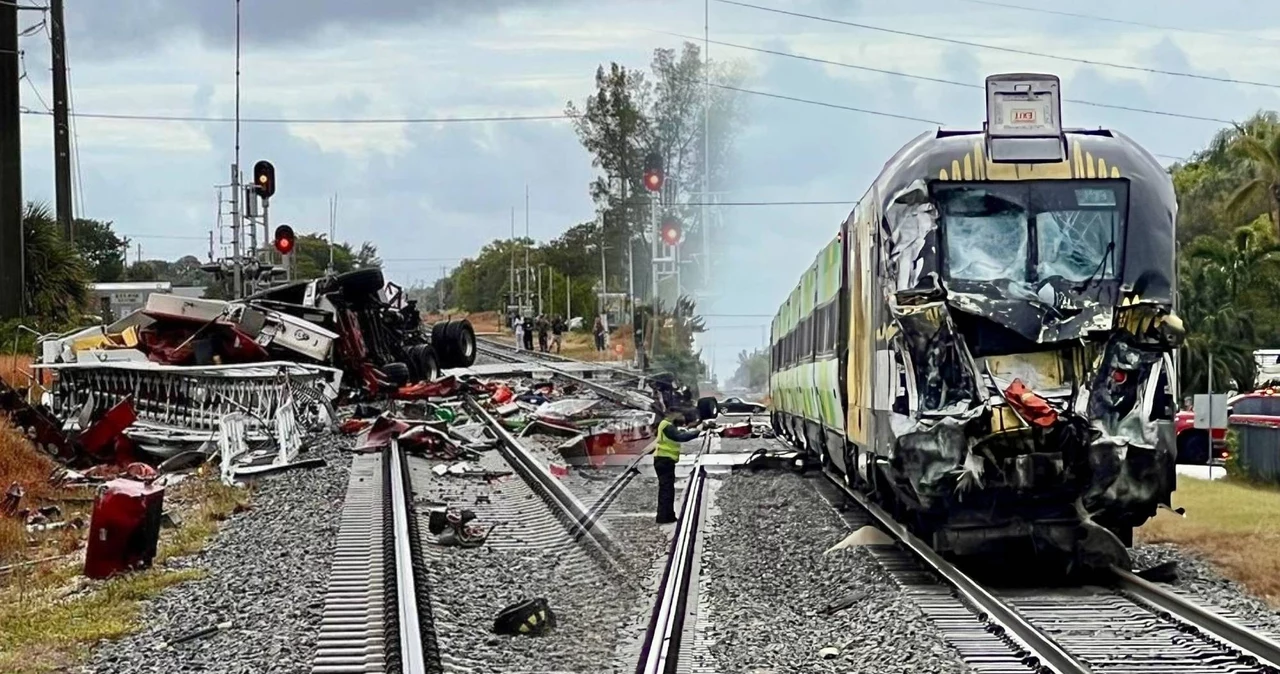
column 1129, row 625
column 398, row 602
column 615, row 390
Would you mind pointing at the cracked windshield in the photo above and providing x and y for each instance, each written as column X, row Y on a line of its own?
column 569, row 337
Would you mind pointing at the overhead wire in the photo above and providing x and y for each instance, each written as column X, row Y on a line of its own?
column 1123, row 22
column 940, row 80
column 991, row 47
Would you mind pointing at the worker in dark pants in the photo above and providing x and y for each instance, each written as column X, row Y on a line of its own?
column 665, row 457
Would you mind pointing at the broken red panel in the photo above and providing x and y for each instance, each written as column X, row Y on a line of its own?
column 502, row 394
column 99, row 439
column 436, row 389
column 353, row 426
column 39, row 426
column 124, row 529
column 736, row 431
column 380, row 434
column 1032, row 407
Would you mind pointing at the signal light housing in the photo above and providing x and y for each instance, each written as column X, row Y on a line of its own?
column 285, row 239
column 264, row 179
column 654, row 175
column 670, row 231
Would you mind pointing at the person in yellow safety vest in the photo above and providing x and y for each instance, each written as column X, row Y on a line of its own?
column 665, row 457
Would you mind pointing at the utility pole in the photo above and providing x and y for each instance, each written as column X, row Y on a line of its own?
column 513, row 258
column 12, row 247
column 236, row 222
column 526, row 240
column 61, row 122
column 706, row 146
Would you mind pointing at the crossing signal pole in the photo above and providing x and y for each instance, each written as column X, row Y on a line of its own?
column 61, row 123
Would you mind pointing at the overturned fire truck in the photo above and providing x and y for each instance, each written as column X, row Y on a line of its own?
column 985, row 347
column 174, row 370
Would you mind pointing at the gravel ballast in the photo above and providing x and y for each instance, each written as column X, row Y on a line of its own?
column 267, row 572
column 1198, row 580
column 768, row 583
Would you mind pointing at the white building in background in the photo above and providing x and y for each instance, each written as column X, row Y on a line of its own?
column 113, row 300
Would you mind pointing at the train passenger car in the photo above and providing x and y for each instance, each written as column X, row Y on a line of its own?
column 985, row 348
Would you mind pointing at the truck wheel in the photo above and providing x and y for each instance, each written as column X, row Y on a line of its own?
column 463, row 343
column 396, row 373
column 442, row 343
column 708, row 408
column 427, row 363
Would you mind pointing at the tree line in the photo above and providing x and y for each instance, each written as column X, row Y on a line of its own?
column 630, row 114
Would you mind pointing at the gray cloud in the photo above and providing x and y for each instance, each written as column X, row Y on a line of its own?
column 127, row 27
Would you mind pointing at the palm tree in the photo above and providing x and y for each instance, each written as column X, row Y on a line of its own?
column 56, row 276
column 1261, row 149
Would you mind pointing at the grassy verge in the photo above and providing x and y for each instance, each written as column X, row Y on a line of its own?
column 1234, row 525
column 49, row 614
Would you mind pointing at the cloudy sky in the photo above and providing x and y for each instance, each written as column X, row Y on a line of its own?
column 428, row 193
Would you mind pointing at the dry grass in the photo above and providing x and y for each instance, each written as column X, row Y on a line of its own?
column 50, row 615
column 1233, row 525
column 14, row 370
column 20, row 462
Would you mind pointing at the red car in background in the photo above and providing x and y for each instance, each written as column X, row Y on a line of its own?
column 1259, row 407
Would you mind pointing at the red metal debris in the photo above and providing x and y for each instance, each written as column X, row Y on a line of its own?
column 124, row 529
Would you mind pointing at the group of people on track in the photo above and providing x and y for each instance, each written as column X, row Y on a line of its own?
column 549, row 330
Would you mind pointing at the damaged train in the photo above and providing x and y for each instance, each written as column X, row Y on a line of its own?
column 986, row 347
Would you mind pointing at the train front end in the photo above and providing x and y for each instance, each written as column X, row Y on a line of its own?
column 1029, row 283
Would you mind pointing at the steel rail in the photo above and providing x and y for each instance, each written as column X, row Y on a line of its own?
column 1248, row 642
column 662, row 642
column 575, row 513
column 995, row 613
column 412, row 660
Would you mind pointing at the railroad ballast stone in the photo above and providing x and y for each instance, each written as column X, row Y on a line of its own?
column 267, row 572
column 1198, row 580
column 770, row 585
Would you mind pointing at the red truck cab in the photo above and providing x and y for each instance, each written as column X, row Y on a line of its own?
column 1260, row 407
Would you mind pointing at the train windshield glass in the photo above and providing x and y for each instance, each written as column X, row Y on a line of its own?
column 1032, row 231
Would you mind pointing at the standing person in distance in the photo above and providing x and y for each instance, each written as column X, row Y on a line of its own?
column 528, row 332
column 665, row 457
column 517, row 326
column 557, row 332
column 543, row 326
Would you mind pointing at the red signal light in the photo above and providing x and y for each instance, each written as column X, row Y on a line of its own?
column 653, row 181
column 284, row 239
column 670, row 231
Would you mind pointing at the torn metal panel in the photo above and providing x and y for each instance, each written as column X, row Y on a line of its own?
column 195, row 399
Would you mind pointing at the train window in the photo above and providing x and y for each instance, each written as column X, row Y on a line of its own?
column 986, row 234
column 1079, row 230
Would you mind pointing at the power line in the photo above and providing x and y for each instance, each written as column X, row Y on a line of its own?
column 1123, row 22
column 330, row 120
column 1007, row 50
column 827, row 105
column 939, row 80
column 438, row 120
column 769, row 203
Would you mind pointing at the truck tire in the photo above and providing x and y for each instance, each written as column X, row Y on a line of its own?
column 396, row 373
column 360, row 282
column 428, row 365
column 442, row 344
column 708, row 408
column 463, row 343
